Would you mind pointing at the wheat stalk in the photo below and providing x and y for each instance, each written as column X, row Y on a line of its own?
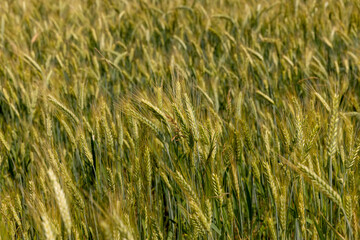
column 4, row 142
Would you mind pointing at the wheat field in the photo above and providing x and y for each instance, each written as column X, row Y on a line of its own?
column 182, row 119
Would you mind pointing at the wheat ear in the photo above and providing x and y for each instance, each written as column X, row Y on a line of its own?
column 321, row 185
column 63, row 109
column 61, row 201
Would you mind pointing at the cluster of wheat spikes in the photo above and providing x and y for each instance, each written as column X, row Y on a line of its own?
column 156, row 119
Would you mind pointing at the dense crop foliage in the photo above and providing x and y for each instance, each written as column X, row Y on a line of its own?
column 153, row 119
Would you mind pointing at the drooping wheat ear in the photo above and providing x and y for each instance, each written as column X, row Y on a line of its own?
column 309, row 162
column 31, row 191
column 283, row 208
column 18, row 204
column 156, row 233
column 238, row 105
column 134, row 129
column 301, row 207
column 342, row 153
column 235, row 178
column 105, row 128
column 286, row 135
column 197, row 229
column 84, row 146
column 333, row 128
column 323, row 101
column 63, row 109
column 47, row 227
column 247, row 137
column 11, row 230
column 48, row 126
column 61, row 201
column 81, row 97
column 4, row 142
column 270, row 179
column 205, row 224
column 208, row 210
column 320, row 184
column 120, row 180
column 75, row 233
column 4, row 210
column 204, row 136
column 185, row 187
column 110, row 179
column 159, row 96
column 181, row 120
column 348, row 206
column 271, row 227
column 69, row 132
column 227, row 156
column 75, row 194
column 351, row 180
column 165, row 179
column 106, row 229
column 190, row 115
column 98, row 130
column 267, row 141
column 136, row 173
column 124, row 229
column 299, row 126
column 203, row 155
column 120, row 131
column 148, row 165
column 355, row 225
column 218, row 118
column 155, row 110
column 144, row 120
column 53, row 160
column 309, row 144
column 12, row 211
column 238, row 145
column 255, row 169
column 314, row 235
column 57, row 226
column 353, row 155
column 349, row 130
column 87, row 125
column 84, row 229
column 170, row 234
column 207, row 97
column 214, row 144
column 42, row 185
column 136, row 169
column 217, row 188
column 230, row 210
column 146, row 218
column 178, row 93
column 131, row 142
